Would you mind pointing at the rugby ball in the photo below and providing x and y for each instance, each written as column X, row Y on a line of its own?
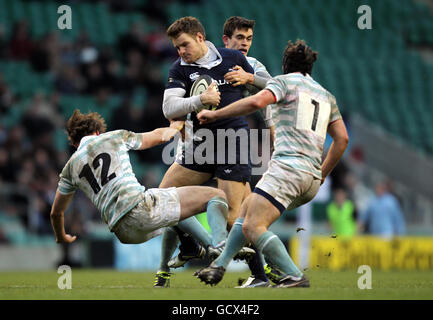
column 200, row 85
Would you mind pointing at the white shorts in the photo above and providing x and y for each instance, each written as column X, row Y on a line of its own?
column 288, row 188
column 159, row 208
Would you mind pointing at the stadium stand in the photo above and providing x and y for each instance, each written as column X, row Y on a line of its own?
column 99, row 65
column 376, row 74
column 380, row 75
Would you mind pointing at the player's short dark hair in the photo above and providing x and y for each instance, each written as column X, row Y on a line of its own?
column 237, row 22
column 80, row 125
column 189, row 25
column 298, row 57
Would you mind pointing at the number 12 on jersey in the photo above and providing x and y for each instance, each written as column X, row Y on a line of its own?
column 312, row 114
column 87, row 173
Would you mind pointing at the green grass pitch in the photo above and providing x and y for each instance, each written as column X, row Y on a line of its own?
column 109, row 284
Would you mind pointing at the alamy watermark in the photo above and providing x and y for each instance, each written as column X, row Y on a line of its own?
column 222, row 146
column 365, row 20
column 65, row 20
column 65, row 280
column 364, row 281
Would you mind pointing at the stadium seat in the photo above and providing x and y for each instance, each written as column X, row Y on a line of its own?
column 353, row 77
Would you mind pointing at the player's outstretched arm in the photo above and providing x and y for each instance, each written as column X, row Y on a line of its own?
column 340, row 139
column 58, row 209
column 175, row 105
column 239, row 108
column 160, row 135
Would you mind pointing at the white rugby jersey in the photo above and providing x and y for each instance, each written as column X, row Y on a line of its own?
column 257, row 66
column 102, row 170
column 261, row 71
column 301, row 115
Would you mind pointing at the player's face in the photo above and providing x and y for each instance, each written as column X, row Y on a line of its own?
column 240, row 40
column 190, row 48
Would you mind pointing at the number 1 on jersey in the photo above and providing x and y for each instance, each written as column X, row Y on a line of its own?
column 316, row 114
column 312, row 114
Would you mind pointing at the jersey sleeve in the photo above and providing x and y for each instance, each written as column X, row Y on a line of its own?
column 66, row 186
column 335, row 112
column 243, row 62
column 131, row 139
column 260, row 69
column 175, row 78
column 277, row 87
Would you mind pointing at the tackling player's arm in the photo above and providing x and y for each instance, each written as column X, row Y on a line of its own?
column 239, row 108
column 61, row 202
column 239, row 77
column 340, row 139
column 244, row 74
column 160, row 135
column 253, row 82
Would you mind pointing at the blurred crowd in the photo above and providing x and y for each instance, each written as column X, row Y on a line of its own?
column 133, row 70
column 356, row 209
column 30, row 159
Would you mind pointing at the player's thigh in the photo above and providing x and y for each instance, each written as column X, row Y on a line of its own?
column 247, row 191
column 234, row 191
column 194, row 199
column 260, row 214
column 177, row 176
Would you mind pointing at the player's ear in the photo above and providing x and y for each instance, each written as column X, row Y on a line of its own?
column 225, row 40
column 199, row 37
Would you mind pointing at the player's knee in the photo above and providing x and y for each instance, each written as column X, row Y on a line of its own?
column 166, row 183
column 220, row 193
column 163, row 183
column 248, row 229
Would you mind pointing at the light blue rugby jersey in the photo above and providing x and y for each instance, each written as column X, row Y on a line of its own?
column 257, row 66
column 102, row 170
column 301, row 115
column 261, row 71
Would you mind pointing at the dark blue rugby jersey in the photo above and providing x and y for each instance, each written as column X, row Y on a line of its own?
column 183, row 76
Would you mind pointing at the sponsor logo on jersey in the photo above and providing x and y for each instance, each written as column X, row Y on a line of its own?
column 221, row 82
column 194, row 76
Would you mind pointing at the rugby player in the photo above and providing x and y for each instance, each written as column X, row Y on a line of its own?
column 303, row 112
column 102, row 170
column 238, row 35
column 196, row 57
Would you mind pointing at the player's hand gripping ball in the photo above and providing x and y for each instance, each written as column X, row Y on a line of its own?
column 211, row 97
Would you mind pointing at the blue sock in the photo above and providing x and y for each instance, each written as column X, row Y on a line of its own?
column 256, row 266
column 217, row 211
column 195, row 228
column 168, row 246
column 275, row 252
column 235, row 241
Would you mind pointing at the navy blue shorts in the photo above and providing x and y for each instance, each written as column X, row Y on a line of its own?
column 223, row 160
